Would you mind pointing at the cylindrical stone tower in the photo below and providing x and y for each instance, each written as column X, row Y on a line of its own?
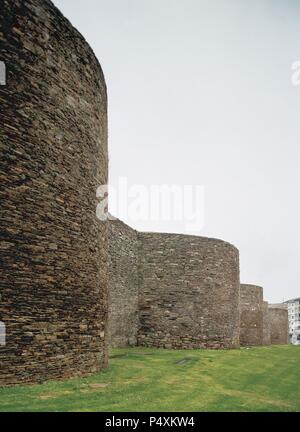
column 266, row 324
column 189, row 292
column 279, row 324
column 251, row 309
column 53, row 157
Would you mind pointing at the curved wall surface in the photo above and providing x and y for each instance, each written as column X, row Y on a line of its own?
column 123, row 284
column 279, row 324
column 251, row 310
column 189, row 292
column 266, row 324
column 54, row 156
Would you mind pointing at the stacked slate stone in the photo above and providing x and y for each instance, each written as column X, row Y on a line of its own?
column 266, row 324
column 185, row 290
column 71, row 284
column 279, row 324
column 54, row 253
column 251, row 312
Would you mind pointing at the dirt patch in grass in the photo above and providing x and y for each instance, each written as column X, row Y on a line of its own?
column 98, row 385
column 54, row 395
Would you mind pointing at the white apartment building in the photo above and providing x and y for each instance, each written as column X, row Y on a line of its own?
column 294, row 320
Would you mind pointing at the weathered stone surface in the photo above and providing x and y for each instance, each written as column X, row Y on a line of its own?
column 266, row 324
column 189, row 292
column 251, row 331
column 279, row 324
column 123, row 285
column 53, row 157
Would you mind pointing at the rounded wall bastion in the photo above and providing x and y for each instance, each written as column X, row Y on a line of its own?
column 266, row 324
column 251, row 310
column 189, row 292
column 54, row 156
column 279, row 324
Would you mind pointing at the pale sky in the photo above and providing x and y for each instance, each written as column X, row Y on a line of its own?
column 200, row 93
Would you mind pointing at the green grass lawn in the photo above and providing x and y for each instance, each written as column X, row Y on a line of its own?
column 141, row 379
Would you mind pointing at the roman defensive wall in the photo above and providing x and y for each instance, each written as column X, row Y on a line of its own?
column 123, row 284
column 279, row 324
column 251, row 315
column 189, row 292
column 71, row 284
column 171, row 290
column 266, row 324
column 54, row 156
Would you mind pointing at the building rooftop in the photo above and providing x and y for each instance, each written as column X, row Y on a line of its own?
column 292, row 300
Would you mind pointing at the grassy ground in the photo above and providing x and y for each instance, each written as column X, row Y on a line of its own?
column 258, row 379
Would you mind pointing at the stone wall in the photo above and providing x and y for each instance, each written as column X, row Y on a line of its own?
column 251, row 310
column 266, row 324
column 166, row 290
column 189, row 292
column 53, row 157
column 123, row 285
column 279, row 324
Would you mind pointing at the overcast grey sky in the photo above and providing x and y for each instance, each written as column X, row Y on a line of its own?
column 200, row 93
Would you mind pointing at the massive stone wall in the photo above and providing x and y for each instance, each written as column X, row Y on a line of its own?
column 53, row 156
column 251, row 310
column 123, row 284
column 279, row 324
column 189, row 292
column 166, row 290
column 266, row 324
